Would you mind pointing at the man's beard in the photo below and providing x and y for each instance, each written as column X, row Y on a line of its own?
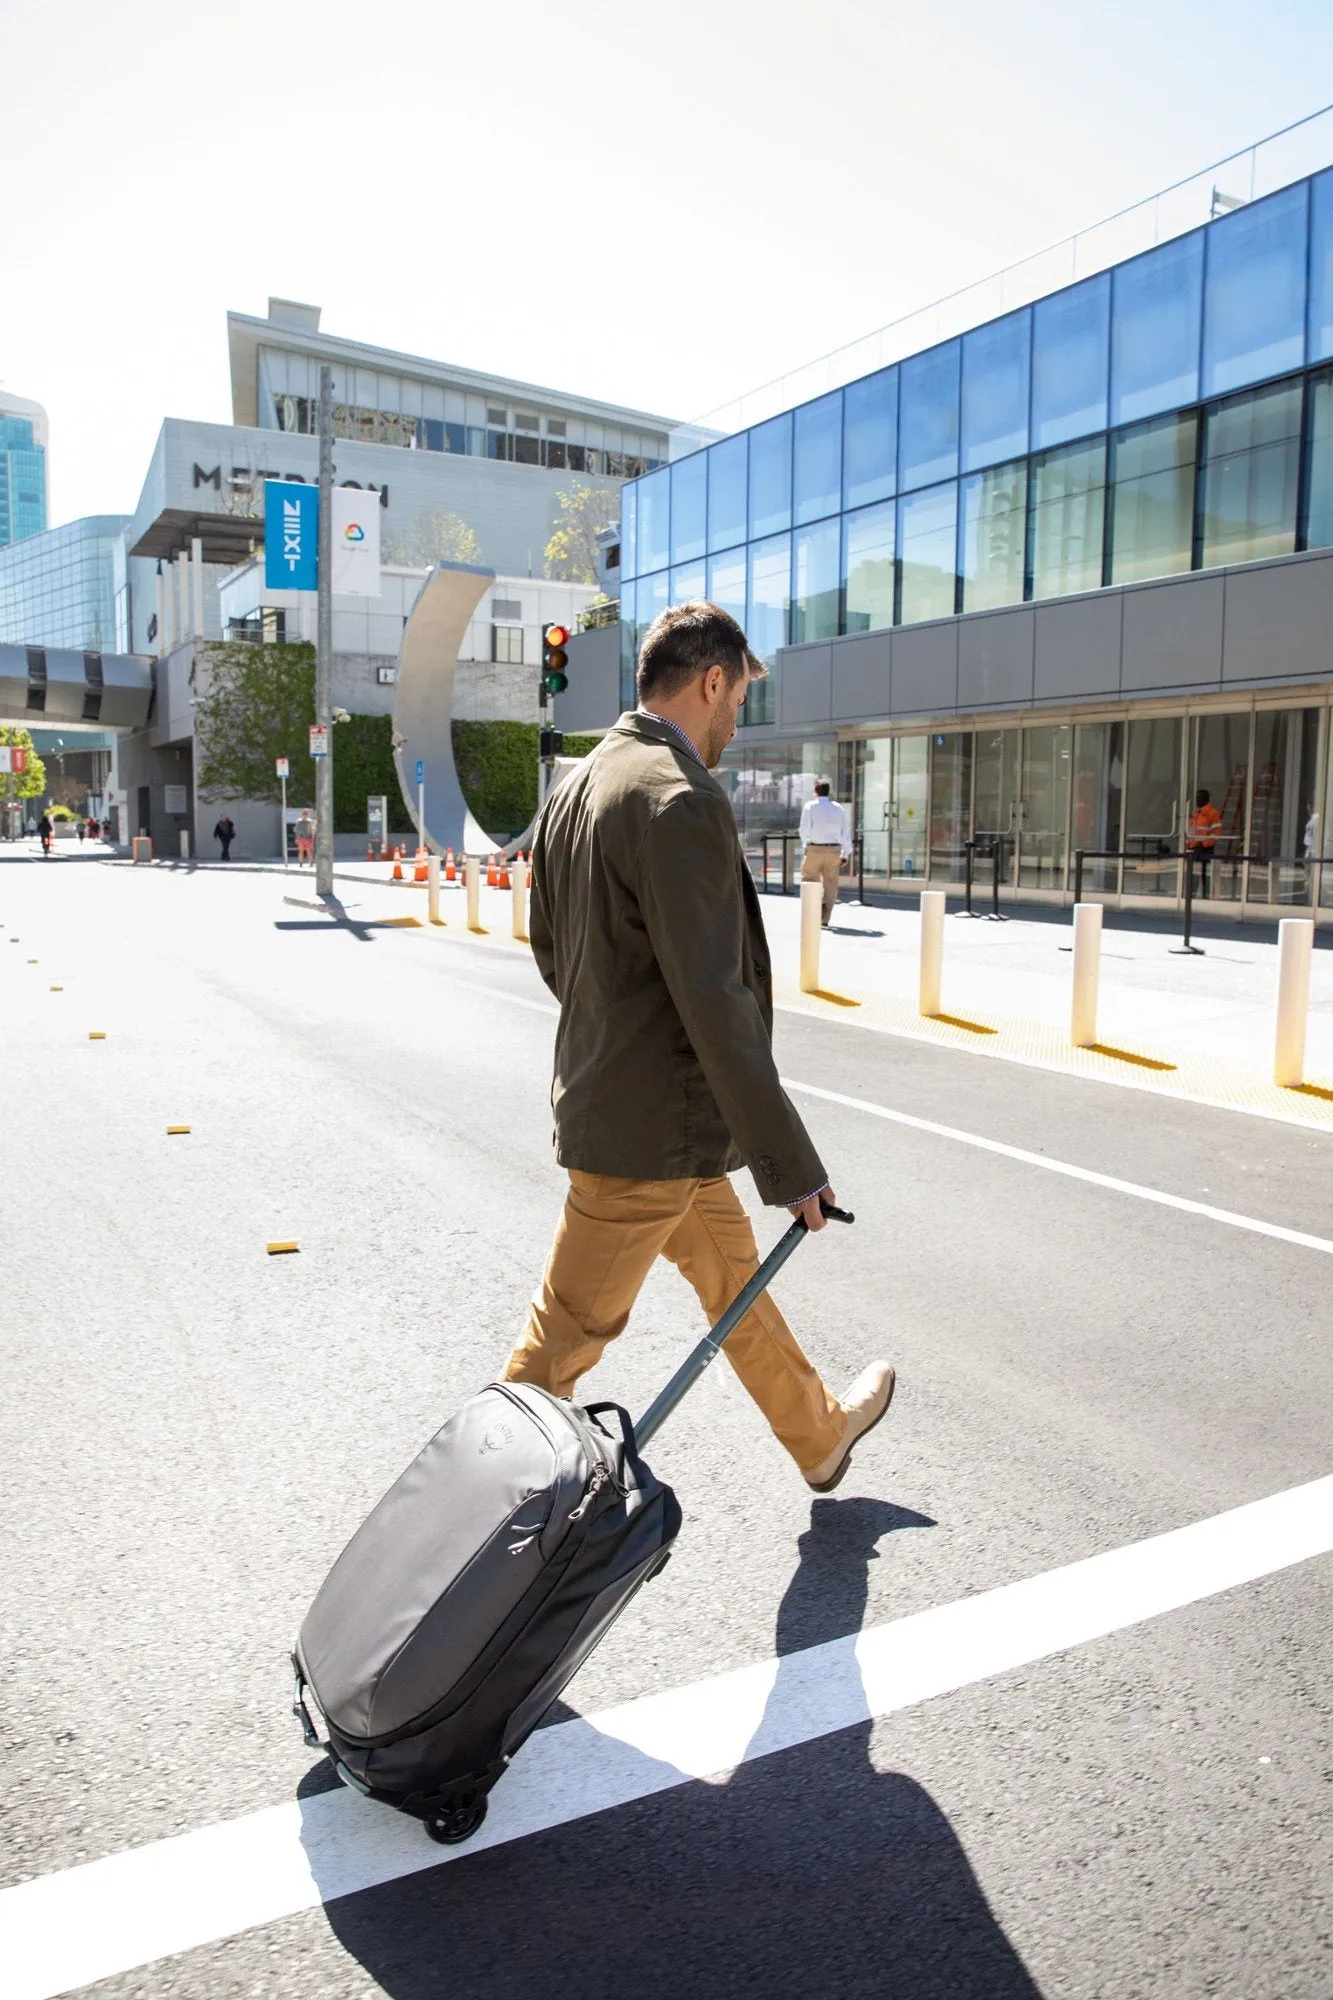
column 720, row 734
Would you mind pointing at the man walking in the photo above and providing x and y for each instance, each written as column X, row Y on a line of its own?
column 645, row 924
column 224, row 833
column 826, row 840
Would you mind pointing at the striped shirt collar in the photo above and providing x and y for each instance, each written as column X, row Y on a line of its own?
column 667, row 723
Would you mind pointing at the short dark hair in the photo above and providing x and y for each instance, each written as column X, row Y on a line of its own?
column 686, row 640
column 821, row 788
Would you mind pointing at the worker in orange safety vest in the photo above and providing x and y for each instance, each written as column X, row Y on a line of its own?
column 1205, row 823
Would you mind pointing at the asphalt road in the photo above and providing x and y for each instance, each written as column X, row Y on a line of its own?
column 189, row 1430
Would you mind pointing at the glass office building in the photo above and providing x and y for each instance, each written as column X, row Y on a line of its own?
column 1065, row 512
column 66, row 588
column 22, row 472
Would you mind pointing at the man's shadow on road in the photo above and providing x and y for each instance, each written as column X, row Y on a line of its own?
column 809, row 1872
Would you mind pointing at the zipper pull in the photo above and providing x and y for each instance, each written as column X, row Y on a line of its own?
column 600, row 1477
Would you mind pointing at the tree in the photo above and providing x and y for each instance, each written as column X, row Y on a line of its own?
column 29, row 784
column 585, row 511
column 436, row 535
column 252, row 705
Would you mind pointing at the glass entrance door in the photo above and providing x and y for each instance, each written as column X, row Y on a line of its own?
column 995, row 795
column 874, row 766
column 908, row 821
column 950, row 804
column 1043, row 807
column 1154, row 824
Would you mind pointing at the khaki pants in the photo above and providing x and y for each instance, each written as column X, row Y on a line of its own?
column 606, row 1241
column 823, row 864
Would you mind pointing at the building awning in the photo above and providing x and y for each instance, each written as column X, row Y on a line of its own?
column 228, row 539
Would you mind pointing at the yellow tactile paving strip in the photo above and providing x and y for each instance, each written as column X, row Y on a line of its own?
column 1164, row 1070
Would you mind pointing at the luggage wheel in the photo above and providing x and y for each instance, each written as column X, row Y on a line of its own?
column 456, row 1822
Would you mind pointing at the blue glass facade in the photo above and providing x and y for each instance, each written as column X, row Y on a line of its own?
column 59, row 588
column 22, row 480
column 1172, row 413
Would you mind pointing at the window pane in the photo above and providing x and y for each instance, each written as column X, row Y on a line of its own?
column 770, row 476
column 726, row 583
column 870, row 439
column 996, row 370
column 1152, row 499
column 1251, row 452
column 815, row 598
column 950, row 805
column 653, row 595
column 1155, row 316
column 689, row 502
column 928, row 422
column 1070, row 362
column 1319, row 522
column 726, row 492
column 1152, row 810
column 689, row 584
column 629, row 520
column 1321, row 267
column 629, row 642
column 1043, row 806
column 1283, row 827
column 817, row 458
column 767, row 616
column 1254, row 293
column 1099, row 779
column 867, row 569
column 927, row 535
column 654, row 520
column 1220, row 766
column 993, row 529
column 1068, row 510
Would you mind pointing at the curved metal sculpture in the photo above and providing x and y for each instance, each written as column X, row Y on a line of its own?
column 423, row 709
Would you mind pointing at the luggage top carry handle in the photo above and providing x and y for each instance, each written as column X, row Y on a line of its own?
column 710, row 1346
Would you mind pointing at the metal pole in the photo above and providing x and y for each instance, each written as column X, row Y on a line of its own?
column 1078, row 878
column 1087, row 971
column 1295, row 943
column 282, row 832
column 421, row 812
column 1185, row 947
column 324, row 647
column 931, row 964
column 812, row 904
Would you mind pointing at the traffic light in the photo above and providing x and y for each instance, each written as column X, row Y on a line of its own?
column 554, row 661
column 550, row 744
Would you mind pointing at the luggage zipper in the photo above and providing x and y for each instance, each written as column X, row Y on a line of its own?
column 599, row 1478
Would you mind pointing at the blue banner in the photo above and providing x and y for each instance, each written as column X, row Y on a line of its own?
column 291, row 535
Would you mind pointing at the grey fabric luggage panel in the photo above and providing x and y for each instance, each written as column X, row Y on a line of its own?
column 473, row 1592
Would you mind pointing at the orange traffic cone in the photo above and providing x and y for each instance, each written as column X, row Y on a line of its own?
column 419, row 873
column 529, row 871
column 504, row 873
column 492, row 878
column 397, row 869
column 450, row 872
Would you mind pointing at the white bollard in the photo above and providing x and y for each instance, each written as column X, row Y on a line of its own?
column 1087, row 972
column 472, row 877
column 433, row 890
column 931, row 973
column 185, row 843
column 518, row 878
column 1295, row 945
column 812, row 912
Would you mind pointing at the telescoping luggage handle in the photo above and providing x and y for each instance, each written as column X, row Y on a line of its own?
column 710, row 1346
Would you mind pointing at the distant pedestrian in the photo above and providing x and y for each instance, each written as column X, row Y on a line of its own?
column 82, row 832
column 1201, row 837
column 826, row 838
column 225, row 833
column 305, row 836
column 45, row 829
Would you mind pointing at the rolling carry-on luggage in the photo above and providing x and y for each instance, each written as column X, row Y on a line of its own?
column 483, row 1579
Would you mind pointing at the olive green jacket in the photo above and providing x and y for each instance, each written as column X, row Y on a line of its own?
column 645, row 925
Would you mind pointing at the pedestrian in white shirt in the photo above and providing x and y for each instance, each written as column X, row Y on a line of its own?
column 826, row 838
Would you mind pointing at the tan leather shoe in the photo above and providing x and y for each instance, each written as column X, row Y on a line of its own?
column 865, row 1403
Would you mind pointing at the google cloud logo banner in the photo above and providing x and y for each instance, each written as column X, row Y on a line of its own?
column 354, row 532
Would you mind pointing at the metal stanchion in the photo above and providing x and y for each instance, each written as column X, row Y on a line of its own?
column 1295, row 946
column 1185, row 948
column 969, row 863
column 812, row 910
column 997, row 862
column 930, row 975
column 1087, row 971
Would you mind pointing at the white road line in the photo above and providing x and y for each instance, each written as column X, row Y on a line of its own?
column 1051, row 1166
column 91, row 1922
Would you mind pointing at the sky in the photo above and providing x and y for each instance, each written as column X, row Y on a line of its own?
column 662, row 206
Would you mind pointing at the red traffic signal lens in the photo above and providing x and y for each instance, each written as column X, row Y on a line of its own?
column 557, row 635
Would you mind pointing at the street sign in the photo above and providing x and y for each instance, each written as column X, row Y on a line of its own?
column 176, row 798
column 291, row 535
column 284, row 769
column 13, row 758
column 421, row 771
column 319, row 740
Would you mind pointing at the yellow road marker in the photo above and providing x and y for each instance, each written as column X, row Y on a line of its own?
column 173, row 1130
column 282, row 1249
column 32, row 961
column 57, row 989
column 97, row 1034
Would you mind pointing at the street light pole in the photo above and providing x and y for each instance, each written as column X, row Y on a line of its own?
column 324, row 646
